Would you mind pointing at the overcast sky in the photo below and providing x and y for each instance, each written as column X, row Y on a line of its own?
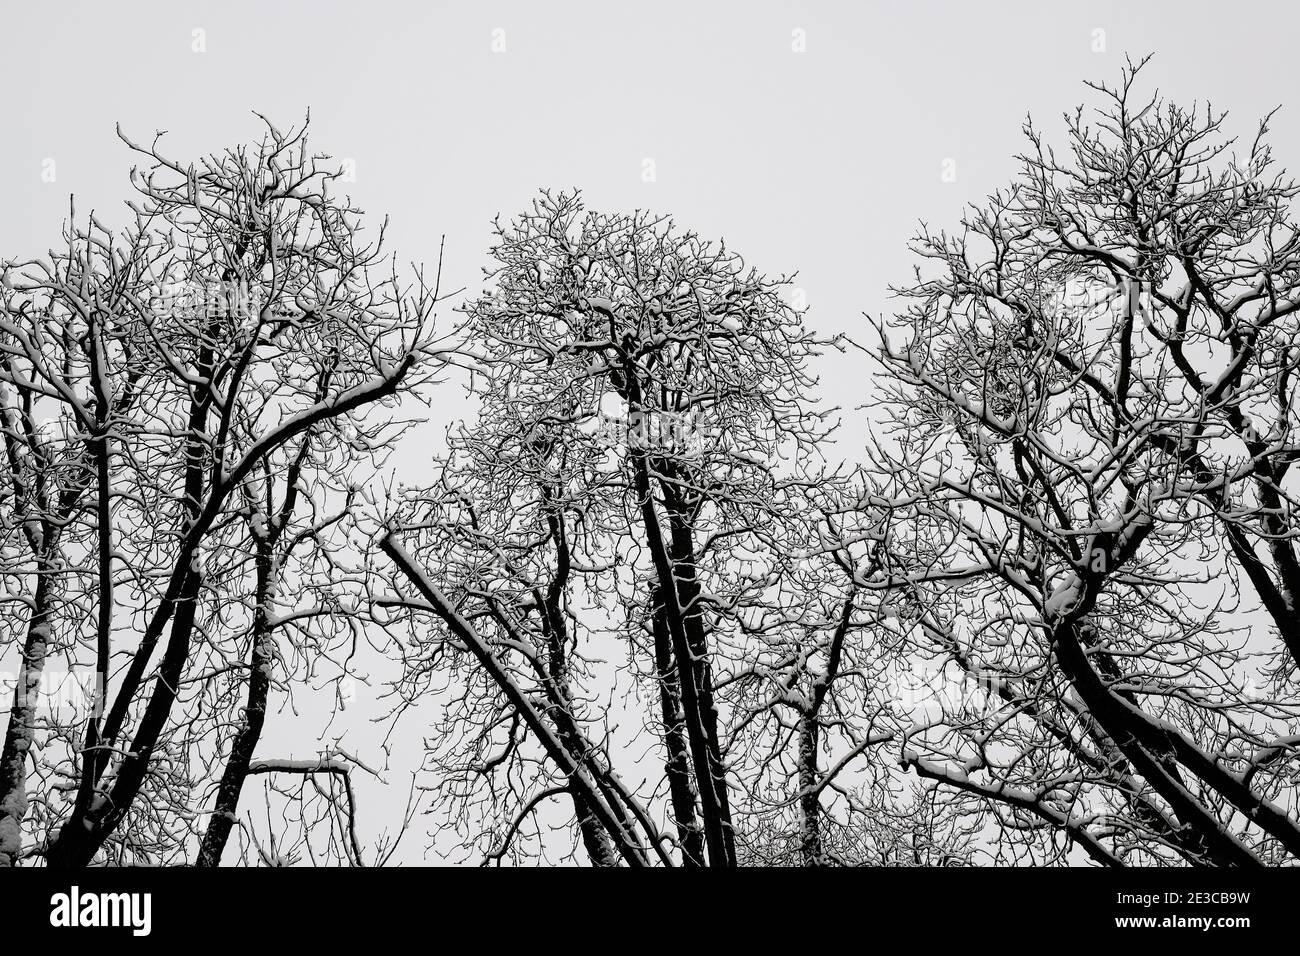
column 812, row 136
column 819, row 161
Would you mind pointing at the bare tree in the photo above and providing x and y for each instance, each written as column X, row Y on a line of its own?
column 1051, row 618
column 1074, row 483
column 209, row 371
column 646, row 435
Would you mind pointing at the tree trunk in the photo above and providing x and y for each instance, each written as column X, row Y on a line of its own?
column 810, row 808
column 676, row 766
column 22, row 718
column 250, row 728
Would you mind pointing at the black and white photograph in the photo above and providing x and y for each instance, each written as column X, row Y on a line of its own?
column 451, row 448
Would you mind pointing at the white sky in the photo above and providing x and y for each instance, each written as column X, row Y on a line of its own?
column 820, row 162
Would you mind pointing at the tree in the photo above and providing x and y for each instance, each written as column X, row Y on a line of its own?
column 640, row 476
column 1091, row 393
column 206, row 376
column 1052, row 617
